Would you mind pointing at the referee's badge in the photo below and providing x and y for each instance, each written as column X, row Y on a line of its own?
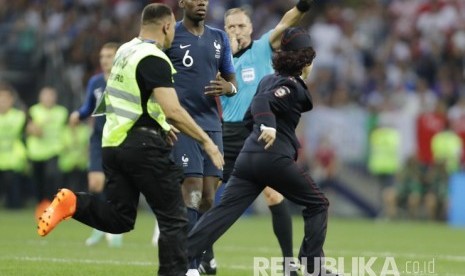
column 248, row 74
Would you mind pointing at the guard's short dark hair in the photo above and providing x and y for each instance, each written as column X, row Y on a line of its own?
column 154, row 13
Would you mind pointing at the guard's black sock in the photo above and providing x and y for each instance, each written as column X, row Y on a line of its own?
column 282, row 227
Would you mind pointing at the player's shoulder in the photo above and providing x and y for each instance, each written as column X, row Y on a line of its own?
column 216, row 31
column 181, row 32
column 178, row 26
column 97, row 77
column 96, row 80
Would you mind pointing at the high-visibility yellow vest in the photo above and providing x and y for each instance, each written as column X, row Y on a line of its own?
column 75, row 153
column 52, row 122
column 447, row 146
column 12, row 149
column 384, row 151
column 122, row 99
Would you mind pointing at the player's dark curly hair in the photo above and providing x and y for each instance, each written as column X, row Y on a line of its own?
column 292, row 62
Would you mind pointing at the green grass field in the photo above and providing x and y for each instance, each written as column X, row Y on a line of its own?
column 413, row 246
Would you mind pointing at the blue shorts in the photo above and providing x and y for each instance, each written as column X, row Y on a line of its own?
column 188, row 154
column 95, row 162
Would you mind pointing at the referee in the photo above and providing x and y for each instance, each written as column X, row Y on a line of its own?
column 269, row 154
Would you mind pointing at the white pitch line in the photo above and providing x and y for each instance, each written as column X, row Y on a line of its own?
column 99, row 262
column 134, row 263
column 361, row 253
column 330, row 253
column 452, row 258
column 80, row 261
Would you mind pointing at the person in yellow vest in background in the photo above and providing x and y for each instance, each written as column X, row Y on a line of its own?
column 13, row 159
column 74, row 157
column 384, row 157
column 44, row 144
column 447, row 149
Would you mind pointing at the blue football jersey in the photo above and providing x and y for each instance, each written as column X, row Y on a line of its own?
column 197, row 60
column 94, row 91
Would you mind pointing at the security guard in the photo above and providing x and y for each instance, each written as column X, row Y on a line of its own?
column 12, row 150
column 269, row 154
column 384, row 157
column 137, row 141
column 74, row 157
column 44, row 144
column 447, row 147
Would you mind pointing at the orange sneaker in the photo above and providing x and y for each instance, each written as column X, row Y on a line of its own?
column 40, row 208
column 62, row 207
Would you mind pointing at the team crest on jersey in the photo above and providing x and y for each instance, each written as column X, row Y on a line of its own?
column 185, row 160
column 217, row 49
column 282, row 91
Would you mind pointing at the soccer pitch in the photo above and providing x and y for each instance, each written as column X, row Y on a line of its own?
column 360, row 247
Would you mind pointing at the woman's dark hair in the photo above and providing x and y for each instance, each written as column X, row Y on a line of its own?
column 292, row 62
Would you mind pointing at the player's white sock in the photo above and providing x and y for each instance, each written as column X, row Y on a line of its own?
column 114, row 240
column 95, row 237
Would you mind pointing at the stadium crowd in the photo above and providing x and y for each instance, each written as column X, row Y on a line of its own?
column 388, row 82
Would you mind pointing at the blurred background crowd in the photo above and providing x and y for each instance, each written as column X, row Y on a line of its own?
column 388, row 82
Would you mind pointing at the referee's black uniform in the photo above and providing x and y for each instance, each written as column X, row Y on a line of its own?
column 279, row 102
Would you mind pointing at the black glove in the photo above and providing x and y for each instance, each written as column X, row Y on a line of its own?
column 304, row 5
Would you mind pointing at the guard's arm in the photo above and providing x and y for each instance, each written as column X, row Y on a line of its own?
column 168, row 100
